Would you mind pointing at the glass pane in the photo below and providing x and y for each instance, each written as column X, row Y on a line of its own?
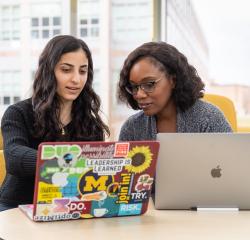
column 16, row 99
column 95, row 21
column 6, row 12
column 34, row 22
column 35, row 34
column 45, row 34
column 6, row 100
column 16, row 11
column 45, row 21
column 56, row 32
column 95, row 32
column 56, row 21
column 84, row 32
column 6, row 35
column 84, row 21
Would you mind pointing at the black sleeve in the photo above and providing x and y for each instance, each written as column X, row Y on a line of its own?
column 20, row 158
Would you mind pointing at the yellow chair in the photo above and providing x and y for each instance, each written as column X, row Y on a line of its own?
column 226, row 106
column 2, row 167
column 2, row 161
column 1, row 141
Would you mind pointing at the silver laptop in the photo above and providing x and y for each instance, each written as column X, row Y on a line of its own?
column 203, row 170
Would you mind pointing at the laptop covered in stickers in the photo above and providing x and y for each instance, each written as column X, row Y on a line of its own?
column 78, row 180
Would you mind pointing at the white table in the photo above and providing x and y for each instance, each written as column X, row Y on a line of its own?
column 155, row 224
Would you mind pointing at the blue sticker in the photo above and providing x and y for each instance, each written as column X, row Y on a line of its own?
column 130, row 209
column 109, row 204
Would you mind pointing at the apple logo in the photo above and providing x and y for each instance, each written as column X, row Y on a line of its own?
column 216, row 172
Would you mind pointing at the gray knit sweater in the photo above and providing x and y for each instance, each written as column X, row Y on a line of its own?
column 201, row 117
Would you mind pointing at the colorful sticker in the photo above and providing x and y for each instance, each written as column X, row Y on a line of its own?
column 141, row 157
column 130, row 209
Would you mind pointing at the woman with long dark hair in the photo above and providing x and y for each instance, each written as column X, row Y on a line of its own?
column 63, row 107
column 158, row 80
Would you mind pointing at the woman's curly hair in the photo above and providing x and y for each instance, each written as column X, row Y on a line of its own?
column 188, row 85
column 86, row 121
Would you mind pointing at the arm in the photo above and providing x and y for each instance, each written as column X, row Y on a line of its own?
column 20, row 158
column 126, row 132
column 138, row 127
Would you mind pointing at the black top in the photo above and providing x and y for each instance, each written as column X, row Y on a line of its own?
column 20, row 152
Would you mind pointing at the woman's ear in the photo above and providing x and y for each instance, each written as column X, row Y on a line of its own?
column 172, row 79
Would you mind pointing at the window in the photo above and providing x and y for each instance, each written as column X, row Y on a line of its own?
column 35, row 34
column 35, row 22
column 45, row 21
column 95, row 27
column 89, row 27
column 16, row 99
column 10, row 82
column 9, row 23
column 56, row 21
column 56, row 32
column 6, row 100
column 45, row 34
column 45, row 27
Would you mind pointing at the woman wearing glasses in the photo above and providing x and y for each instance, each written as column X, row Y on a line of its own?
column 157, row 79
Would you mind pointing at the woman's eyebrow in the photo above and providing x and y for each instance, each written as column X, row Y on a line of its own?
column 84, row 66
column 146, row 79
column 67, row 64
column 71, row 65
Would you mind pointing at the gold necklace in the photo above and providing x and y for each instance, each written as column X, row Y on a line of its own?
column 63, row 131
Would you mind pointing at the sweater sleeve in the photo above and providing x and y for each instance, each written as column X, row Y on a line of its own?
column 126, row 133
column 20, row 158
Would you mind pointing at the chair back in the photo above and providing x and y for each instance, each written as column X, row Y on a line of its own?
column 2, row 167
column 1, row 140
column 2, row 161
column 226, row 106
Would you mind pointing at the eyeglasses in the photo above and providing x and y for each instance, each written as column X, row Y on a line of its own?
column 147, row 87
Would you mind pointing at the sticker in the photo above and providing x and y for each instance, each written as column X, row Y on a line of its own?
column 141, row 157
column 121, row 149
column 144, row 183
column 96, row 196
column 130, row 209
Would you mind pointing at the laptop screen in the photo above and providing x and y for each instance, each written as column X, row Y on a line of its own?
column 203, row 170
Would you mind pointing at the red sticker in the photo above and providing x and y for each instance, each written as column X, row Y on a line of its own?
column 121, row 149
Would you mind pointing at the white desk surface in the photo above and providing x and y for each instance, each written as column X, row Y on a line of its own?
column 155, row 224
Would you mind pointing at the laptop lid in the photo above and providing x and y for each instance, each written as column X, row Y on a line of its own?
column 93, row 179
column 203, row 170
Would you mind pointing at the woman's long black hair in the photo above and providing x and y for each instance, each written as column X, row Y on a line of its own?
column 86, row 122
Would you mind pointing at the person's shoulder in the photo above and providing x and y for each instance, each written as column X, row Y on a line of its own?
column 138, row 117
column 26, row 103
column 208, row 117
column 201, row 107
column 21, row 106
column 134, row 128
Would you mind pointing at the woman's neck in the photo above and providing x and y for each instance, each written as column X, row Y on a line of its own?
column 166, row 119
column 65, row 113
